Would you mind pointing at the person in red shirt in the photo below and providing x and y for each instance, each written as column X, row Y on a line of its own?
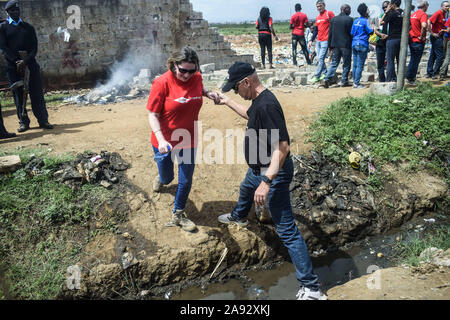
column 323, row 25
column 174, row 104
column 444, row 68
column 264, row 24
column 298, row 23
column 436, row 26
column 417, row 37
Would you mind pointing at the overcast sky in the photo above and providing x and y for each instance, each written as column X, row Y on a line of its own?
column 248, row 10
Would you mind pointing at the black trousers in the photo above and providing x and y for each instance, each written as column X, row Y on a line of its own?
column 2, row 125
column 36, row 94
column 299, row 39
column 265, row 41
column 381, row 58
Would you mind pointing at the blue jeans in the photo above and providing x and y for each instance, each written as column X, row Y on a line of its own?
column 416, row 49
column 346, row 55
column 321, row 50
column 392, row 53
column 279, row 205
column 186, row 165
column 436, row 56
column 359, row 58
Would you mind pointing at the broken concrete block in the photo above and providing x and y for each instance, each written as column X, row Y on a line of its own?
column 367, row 77
column 384, row 88
column 273, row 82
column 10, row 163
column 301, row 80
column 208, row 68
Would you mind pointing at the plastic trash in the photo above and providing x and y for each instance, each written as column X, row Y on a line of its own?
column 256, row 292
column 431, row 220
column 354, row 158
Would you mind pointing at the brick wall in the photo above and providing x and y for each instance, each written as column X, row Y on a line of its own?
column 111, row 29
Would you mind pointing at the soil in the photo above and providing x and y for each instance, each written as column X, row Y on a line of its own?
column 124, row 128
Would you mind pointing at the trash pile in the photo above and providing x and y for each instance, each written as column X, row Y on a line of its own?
column 334, row 203
column 117, row 92
column 103, row 169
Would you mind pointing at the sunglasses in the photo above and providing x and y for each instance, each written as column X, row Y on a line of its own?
column 236, row 85
column 183, row 71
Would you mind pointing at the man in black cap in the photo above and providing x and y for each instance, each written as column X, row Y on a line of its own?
column 17, row 35
column 270, row 172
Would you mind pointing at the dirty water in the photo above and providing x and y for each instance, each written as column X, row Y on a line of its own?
column 334, row 268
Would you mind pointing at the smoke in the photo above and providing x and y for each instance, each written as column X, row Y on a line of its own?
column 123, row 72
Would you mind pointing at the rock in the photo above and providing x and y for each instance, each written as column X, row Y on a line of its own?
column 208, row 68
column 273, row 82
column 10, row 163
column 367, row 77
column 383, row 88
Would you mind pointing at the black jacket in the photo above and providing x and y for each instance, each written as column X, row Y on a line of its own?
column 339, row 35
column 18, row 38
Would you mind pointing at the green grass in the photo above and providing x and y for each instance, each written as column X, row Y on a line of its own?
column 408, row 252
column 384, row 127
column 44, row 227
column 51, row 100
column 235, row 29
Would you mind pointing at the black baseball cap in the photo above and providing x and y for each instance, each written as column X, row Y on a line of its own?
column 237, row 72
column 11, row 4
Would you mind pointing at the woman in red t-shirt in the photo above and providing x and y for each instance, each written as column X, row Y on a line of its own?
column 174, row 104
column 264, row 24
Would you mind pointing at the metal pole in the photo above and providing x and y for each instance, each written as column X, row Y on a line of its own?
column 404, row 46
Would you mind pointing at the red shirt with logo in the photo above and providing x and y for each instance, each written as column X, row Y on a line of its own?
column 437, row 21
column 178, row 104
column 298, row 20
column 417, row 18
column 323, row 25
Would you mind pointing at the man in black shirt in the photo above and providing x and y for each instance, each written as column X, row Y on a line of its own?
column 270, row 170
column 17, row 35
column 394, row 19
column 340, row 45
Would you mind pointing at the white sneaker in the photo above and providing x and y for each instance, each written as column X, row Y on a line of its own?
column 307, row 294
column 227, row 219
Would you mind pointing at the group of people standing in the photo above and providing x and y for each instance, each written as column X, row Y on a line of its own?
column 344, row 37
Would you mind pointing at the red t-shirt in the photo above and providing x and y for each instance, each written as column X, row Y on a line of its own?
column 323, row 25
column 417, row 18
column 298, row 20
column 437, row 21
column 178, row 104
column 270, row 24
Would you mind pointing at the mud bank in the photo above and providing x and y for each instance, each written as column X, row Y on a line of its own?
column 333, row 206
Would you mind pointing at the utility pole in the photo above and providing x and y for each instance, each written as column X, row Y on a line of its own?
column 404, row 46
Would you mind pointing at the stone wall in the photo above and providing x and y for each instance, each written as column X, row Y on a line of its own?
column 110, row 30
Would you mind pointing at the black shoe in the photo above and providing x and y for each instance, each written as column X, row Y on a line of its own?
column 7, row 135
column 428, row 76
column 46, row 125
column 345, row 84
column 23, row 128
column 326, row 84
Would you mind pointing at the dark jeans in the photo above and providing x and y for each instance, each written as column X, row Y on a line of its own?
column 280, row 209
column 186, row 166
column 436, row 56
column 346, row 55
column 265, row 41
column 36, row 94
column 299, row 39
column 381, row 58
column 392, row 53
column 416, row 49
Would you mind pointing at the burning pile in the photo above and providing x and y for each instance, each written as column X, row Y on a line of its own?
column 118, row 89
